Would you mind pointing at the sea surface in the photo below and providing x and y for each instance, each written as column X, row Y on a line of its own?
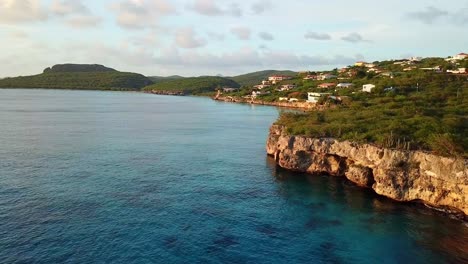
column 121, row 177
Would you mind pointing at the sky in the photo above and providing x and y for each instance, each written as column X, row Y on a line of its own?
column 223, row 37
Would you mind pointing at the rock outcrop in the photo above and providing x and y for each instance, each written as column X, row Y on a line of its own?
column 436, row 181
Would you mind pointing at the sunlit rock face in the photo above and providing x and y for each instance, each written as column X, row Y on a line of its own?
column 436, row 181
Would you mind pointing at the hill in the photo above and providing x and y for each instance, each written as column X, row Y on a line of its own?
column 193, row 85
column 160, row 79
column 79, row 76
column 254, row 78
column 78, row 68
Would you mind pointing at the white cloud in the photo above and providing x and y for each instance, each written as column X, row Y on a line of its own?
column 186, row 38
column 243, row 33
column 21, row 11
column 261, row 6
column 317, row 36
column 68, row 7
column 354, row 38
column 210, row 8
column 216, row 36
column 266, row 36
column 140, row 14
column 429, row 15
column 83, row 21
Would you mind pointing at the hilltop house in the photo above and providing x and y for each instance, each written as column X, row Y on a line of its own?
column 286, row 87
column 458, row 57
column 326, row 76
column 315, row 97
column 458, row 71
column 310, row 77
column 326, row 85
column 230, row 90
column 274, row 79
column 261, row 86
column 368, row 88
column 257, row 93
column 344, row 85
column 360, row 63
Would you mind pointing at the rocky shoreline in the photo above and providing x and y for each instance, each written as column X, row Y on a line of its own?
column 173, row 93
column 407, row 176
column 298, row 105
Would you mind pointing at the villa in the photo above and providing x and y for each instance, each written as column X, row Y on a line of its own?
column 344, row 85
column 326, row 85
column 368, row 88
column 315, row 97
column 287, row 87
column 274, row 79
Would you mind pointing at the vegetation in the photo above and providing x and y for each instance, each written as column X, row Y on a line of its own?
column 193, row 85
column 254, row 78
column 431, row 117
column 160, row 79
column 76, row 76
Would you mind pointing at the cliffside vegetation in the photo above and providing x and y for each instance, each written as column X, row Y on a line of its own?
column 254, row 78
column 79, row 76
column 427, row 111
column 193, row 85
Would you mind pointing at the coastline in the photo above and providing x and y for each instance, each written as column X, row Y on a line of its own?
column 297, row 105
column 438, row 182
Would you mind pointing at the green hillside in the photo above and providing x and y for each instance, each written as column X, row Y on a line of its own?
column 79, row 76
column 160, row 79
column 254, row 78
column 193, row 85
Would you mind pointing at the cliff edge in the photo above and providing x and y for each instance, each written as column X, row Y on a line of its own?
column 436, row 181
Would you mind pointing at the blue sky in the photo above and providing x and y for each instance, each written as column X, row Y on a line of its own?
column 209, row 37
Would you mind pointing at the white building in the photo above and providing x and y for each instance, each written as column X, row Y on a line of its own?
column 458, row 71
column 368, row 88
column 287, row 87
column 323, row 77
column 278, row 78
column 344, row 85
column 314, row 97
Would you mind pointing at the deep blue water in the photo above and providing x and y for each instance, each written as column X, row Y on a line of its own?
column 114, row 177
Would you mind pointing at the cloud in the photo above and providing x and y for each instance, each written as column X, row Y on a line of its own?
column 83, row 21
column 23, row 11
column 429, row 15
column 210, row 8
column 18, row 34
column 140, row 14
column 266, row 36
column 243, row 33
column 75, row 13
column 216, row 36
column 317, row 36
column 68, row 7
column 354, row 38
column 186, row 38
column 432, row 14
column 261, row 6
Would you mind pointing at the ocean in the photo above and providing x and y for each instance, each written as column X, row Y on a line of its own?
column 123, row 177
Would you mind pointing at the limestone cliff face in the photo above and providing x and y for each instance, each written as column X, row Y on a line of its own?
column 401, row 175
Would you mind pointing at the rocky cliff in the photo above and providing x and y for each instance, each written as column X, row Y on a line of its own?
column 436, row 181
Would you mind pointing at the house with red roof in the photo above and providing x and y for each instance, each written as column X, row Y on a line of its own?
column 326, row 85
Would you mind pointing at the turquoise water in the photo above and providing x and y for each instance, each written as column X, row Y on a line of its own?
column 112, row 177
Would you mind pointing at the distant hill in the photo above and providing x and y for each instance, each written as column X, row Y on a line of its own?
column 78, row 68
column 193, row 85
column 254, row 78
column 160, row 79
column 79, row 76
